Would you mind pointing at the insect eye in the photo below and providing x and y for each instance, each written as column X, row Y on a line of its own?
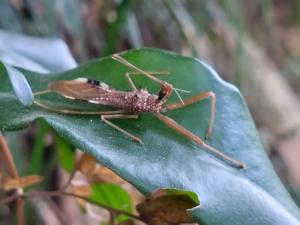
column 93, row 82
column 161, row 95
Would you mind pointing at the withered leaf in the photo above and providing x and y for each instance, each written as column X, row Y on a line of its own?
column 81, row 190
column 103, row 174
column 166, row 210
column 21, row 182
column 87, row 164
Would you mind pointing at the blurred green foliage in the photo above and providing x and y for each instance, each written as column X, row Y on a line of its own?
column 98, row 28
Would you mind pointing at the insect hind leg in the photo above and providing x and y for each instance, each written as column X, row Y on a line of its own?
column 194, row 99
column 123, row 61
column 188, row 134
column 105, row 118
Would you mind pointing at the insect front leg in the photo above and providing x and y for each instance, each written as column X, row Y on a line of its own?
column 130, row 81
column 194, row 99
column 105, row 118
column 123, row 61
column 188, row 134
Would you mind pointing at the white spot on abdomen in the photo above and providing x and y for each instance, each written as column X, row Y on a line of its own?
column 104, row 85
column 94, row 101
column 69, row 97
column 82, row 79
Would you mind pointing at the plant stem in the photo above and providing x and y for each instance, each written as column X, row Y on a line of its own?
column 12, row 170
column 7, row 158
column 64, row 193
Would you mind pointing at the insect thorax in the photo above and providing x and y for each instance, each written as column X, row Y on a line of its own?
column 142, row 101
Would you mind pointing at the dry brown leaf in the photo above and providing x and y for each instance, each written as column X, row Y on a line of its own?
column 158, row 193
column 103, row 174
column 166, row 210
column 3, row 177
column 87, row 164
column 21, row 182
column 82, row 190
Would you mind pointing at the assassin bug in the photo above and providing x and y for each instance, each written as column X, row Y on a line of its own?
column 131, row 104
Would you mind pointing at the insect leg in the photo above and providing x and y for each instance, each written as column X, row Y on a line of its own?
column 120, row 59
column 186, row 133
column 194, row 99
column 75, row 112
column 105, row 118
column 132, row 85
column 41, row 92
column 130, row 81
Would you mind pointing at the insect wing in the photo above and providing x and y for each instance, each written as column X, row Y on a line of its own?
column 81, row 89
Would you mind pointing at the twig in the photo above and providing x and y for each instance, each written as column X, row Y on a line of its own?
column 4, row 150
column 71, row 177
column 12, row 170
column 8, row 199
column 59, row 193
column 7, row 158
column 111, row 218
column 20, row 211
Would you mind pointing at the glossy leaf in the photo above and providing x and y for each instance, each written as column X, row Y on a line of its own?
column 114, row 196
column 38, row 54
column 227, row 195
column 19, row 85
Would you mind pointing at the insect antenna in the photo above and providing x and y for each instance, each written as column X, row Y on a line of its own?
column 182, row 90
column 125, row 62
column 177, row 90
column 178, row 95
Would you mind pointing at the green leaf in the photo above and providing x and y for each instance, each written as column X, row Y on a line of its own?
column 65, row 154
column 19, row 85
column 114, row 196
column 189, row 194
column 38, row 54
column 36, row 163
column 227, row 195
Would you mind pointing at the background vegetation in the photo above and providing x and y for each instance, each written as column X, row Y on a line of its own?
column 253, row 44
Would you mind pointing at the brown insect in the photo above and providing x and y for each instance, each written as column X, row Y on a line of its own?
column 131, row 104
